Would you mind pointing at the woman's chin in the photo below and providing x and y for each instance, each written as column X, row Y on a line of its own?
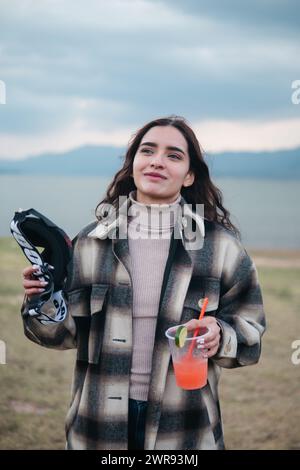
column 151, row 189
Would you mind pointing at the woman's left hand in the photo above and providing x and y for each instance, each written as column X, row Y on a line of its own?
column 212, row 339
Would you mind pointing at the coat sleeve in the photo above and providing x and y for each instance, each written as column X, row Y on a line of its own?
column 59, row 335
column 240, row 314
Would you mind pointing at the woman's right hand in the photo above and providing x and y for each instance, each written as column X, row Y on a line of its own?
column 31, row 284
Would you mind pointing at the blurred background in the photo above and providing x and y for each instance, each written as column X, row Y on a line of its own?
column 77, row 80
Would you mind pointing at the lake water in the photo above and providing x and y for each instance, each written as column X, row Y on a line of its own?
column 266, row 211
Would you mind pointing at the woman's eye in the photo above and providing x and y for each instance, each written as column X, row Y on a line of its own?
column 150, row 152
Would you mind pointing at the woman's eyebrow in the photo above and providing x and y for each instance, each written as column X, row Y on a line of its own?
column 170, row 147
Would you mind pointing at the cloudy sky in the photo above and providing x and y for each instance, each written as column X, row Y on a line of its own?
column 92, row 72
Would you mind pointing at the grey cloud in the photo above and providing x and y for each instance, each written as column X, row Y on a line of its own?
column 279, row 14
column 137, row 71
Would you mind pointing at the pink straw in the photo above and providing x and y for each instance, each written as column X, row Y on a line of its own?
column 205, row 302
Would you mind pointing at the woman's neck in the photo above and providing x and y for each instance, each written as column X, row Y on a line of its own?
column 147, row 200
column 152, row 217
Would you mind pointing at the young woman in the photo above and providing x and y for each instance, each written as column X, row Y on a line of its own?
column 132, row 276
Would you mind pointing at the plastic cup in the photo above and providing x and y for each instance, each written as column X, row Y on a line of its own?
column 190, row 369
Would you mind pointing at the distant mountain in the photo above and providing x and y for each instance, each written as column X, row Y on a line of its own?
column 282, row 164
column 83, row 161
column 105, row 161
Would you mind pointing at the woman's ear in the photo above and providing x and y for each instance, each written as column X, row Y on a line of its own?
column 189, row 179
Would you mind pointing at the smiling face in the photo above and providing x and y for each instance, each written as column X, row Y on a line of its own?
column 161, row 166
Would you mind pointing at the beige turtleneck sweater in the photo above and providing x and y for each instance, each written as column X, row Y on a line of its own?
column 149, row 234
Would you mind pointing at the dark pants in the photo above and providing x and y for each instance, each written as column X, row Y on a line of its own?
column 136, row 423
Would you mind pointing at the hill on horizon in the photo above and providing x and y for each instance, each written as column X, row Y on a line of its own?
column 93, row 160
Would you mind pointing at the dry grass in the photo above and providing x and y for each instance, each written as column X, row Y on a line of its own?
column 35, row 382
column 260, row 404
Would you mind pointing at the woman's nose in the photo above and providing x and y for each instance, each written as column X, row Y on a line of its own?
column 157, row 160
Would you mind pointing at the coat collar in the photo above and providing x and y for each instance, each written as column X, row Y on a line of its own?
column 114, row 225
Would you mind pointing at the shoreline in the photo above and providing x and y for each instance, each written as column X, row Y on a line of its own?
column 281, row 258
column 272, row 257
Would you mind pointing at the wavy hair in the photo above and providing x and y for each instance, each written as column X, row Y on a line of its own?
column 202, row 191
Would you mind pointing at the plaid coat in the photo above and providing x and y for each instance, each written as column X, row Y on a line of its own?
column 99, row 325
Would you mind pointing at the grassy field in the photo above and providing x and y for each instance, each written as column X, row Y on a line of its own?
column 260, row 404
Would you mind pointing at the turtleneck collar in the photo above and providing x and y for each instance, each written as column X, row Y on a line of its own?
column 152, row 218
column 132, row 197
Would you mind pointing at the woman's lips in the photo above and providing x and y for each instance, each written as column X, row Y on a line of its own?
column 155, row 177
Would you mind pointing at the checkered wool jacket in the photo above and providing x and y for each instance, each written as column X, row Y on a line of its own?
column 99, row 325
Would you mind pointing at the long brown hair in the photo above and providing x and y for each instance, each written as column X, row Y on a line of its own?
column 202, row 191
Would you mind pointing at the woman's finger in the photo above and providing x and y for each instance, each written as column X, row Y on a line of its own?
column 29, row 270
column 193, row 324
column 208, row 322
column 28, row 283
column 210, row 336
column 212, row 344
column 32, row 285
column 33, row 291
column 212, row 352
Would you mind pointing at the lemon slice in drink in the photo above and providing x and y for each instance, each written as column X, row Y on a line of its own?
column 180, row 336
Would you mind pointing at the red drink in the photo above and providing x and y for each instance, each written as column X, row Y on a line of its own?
column 189, row 362
column 190, row 373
